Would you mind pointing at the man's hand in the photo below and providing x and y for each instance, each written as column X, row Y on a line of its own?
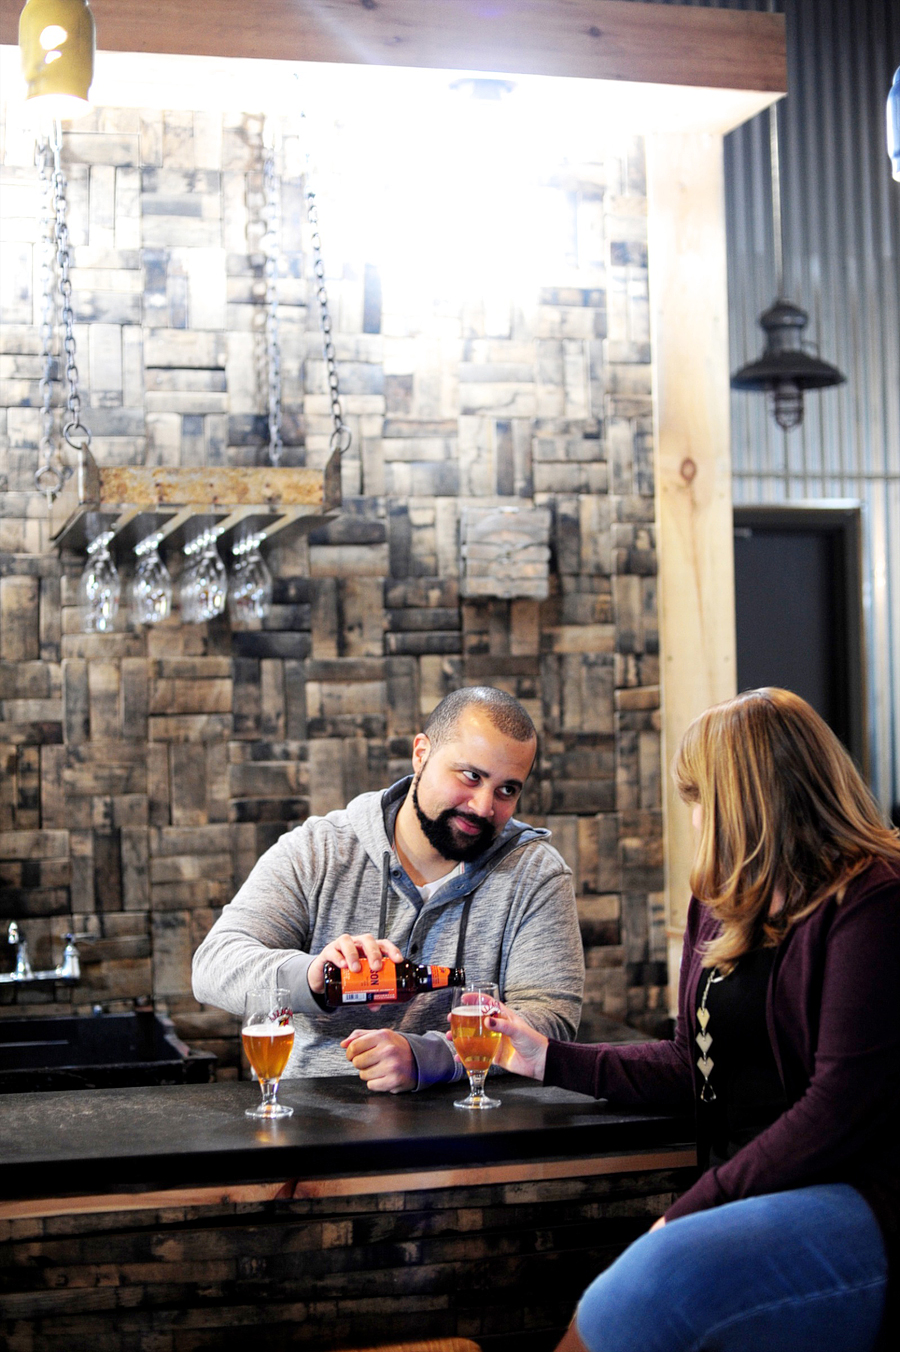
column 346, row 951
column 383, row 1058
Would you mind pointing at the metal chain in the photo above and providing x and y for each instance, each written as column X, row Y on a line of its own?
column 74, row 430
column 47, row 476
column 272, row 217
column 341, row 437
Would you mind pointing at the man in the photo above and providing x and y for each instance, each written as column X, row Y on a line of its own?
column 435, row 869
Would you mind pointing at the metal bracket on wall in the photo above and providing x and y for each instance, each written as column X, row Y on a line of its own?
column 179, row 503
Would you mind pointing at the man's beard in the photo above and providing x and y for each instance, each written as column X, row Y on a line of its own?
column 439, row 832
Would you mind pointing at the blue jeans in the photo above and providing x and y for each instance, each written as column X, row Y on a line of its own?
column 789, row 1272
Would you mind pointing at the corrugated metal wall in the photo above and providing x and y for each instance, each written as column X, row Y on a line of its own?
column 842, row 264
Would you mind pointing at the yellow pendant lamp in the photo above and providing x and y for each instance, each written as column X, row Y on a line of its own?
column 56, row 42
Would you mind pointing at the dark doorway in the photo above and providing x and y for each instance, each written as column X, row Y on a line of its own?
column 798, row 607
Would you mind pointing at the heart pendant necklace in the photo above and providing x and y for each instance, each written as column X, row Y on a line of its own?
column 704, row 1040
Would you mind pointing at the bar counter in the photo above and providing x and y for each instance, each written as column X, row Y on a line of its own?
column 67, row 1145
column 164, row 1213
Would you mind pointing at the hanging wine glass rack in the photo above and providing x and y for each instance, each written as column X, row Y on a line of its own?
column 178, row 504
column 228, row 508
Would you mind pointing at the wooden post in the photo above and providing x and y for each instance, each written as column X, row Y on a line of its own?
column 689, row 316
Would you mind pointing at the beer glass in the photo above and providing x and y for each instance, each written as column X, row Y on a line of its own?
column 476, row 1045
column 267, row 1033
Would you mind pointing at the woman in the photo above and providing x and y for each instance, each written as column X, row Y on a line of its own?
column 787, row 1041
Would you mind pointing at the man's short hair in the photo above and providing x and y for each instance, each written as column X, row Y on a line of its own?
column 506, row 714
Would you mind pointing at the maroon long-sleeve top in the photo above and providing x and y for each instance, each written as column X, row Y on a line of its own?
column 833, row 1017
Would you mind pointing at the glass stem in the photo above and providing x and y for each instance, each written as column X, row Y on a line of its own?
column 476, row 1083
column 269, row 1090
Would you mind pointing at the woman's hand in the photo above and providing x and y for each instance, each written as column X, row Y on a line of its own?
column 522, row 1049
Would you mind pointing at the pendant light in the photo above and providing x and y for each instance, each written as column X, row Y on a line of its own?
column 784, row 370
column 56, row 43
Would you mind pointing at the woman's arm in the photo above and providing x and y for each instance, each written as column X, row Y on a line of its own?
column 639, row 1075
column 646, row 1075
column 654, row 1075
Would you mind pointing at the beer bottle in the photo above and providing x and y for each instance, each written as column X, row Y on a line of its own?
column 395, row 983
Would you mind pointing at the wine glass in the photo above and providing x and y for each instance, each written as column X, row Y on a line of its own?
column 99, row 587
column 151, row 586
column 267, row 1033
column 476, row 1045
column 204, row 583
column 250, row 585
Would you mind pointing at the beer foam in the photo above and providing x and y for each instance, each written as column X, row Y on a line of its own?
column 264, row 1030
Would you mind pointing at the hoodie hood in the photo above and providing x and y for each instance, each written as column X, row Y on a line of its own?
column 373, row 817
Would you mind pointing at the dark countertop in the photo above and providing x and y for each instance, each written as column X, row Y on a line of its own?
column 116, row 1140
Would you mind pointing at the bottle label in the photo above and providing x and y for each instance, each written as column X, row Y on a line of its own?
column 368, row 987
column 440, row 976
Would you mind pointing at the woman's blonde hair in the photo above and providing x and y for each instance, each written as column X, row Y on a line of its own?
column 783, row 806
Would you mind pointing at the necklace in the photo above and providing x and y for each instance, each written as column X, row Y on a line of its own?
column 704, row 1039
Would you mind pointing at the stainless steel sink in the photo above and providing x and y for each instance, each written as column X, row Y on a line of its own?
column 97, row 1051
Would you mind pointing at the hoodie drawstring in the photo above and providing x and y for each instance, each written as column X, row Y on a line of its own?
column 463, row 926
column 382, row 914
column 385, row 888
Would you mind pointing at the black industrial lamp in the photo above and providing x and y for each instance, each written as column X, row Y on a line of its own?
column 784, row 370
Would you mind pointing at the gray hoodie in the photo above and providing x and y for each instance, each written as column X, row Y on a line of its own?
column 509, row 917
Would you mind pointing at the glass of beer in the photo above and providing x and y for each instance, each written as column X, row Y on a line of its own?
column 476, row 1045
column 267, row 1033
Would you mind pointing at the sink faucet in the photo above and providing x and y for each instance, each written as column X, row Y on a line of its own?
column 23, row 962
column 70, row 966
column 68, row 969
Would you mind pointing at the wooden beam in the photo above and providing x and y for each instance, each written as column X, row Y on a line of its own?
column 689, row 317
column 119, row 493
column 217, row 486
column 595, row 39
column 358, row 1185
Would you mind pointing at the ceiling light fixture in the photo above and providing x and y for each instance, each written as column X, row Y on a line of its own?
column 56, row 43
column 784, row 370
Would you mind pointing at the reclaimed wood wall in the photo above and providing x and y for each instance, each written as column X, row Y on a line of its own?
column 144, row 771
